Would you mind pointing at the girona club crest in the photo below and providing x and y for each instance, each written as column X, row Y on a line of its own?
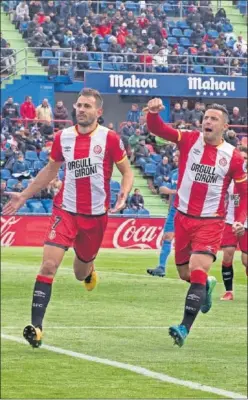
column 52, row 234
column 97, row 149
column 223, row 162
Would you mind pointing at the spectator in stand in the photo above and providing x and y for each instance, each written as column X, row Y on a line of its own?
column 136, row 200
column 60, row 112
column 17, row 187
column 50, row 9
column 134, row 142
column 11, row 155
column 236, row 119
column 242, row 42
column 196, row 114
column 10, row 109
column 230, row 137
column 134, row 114
column 34, row 8
column 177, row 113
column 128, row 129
column 3, row 42
column 44, row 112
column 49, row 27
column 8, row 56
column 22, row 11
column 162, row 174
column 4, row 197
column 186, row 111
column 27, row 109
column 141, row 152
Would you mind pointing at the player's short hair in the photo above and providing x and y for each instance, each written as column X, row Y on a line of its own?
column 88, row 92
column 221, row 108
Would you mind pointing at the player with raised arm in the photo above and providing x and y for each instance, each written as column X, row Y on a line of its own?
column 230, row 241
column 169, row 189
column 207, row 166
column 79, row 216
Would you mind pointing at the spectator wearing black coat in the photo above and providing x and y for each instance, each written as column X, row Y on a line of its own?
column 230, row 137
column 137, row 200
column 177, row 114
column 10, row 109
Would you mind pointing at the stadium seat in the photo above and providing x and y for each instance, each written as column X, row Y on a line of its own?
column 104, row 47
column 187, row 33
column 31, row 155
column 182, row 24
column 2, row 155
column 143, row 211
column 150, row 169
column 172, row 24
column 177, row 32
column 61, row 174
column 113, row 199
column 23, row 210
column 36, row 206
column 5, row 174
column 172, row 40
column 53, row 61
column 11, row 183
column 25, row 183
column 213, row 33
column 209, row 70
column 131, row 6
column 197, row 69
column 129, row 211
column 156, row 157
column 115, row 186
column 47, row 204
column 185, row 42
column 93, row 65
column 108, row 66
column 38, row 165
column 43, row 156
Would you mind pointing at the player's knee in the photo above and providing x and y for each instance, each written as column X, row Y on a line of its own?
column 228, row 255
column 82, row 271
column 244, row 259
column 49, row 267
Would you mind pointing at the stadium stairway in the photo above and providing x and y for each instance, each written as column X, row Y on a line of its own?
column 153, row 202
column 237, row 19
column 17, row 42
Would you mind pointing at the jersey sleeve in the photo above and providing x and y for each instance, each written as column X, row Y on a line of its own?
column 157, row 126
column 116, row 148
column 238, row 171
column 56, row 151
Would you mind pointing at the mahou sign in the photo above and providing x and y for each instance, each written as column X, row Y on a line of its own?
column 123, row 233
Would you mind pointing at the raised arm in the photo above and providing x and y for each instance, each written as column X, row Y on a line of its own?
column 156, row 125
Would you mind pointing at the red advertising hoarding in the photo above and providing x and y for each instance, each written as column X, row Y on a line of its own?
column 124, row 233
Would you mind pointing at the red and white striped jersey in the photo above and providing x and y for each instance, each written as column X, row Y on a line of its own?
column 89, row 160
column 233, row 204
column 205, row 171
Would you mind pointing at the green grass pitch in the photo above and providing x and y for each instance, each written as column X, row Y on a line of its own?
column 126, row 320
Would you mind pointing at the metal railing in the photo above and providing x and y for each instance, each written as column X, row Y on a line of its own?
column 60, row 60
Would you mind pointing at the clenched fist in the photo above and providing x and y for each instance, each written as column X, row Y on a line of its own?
column 155, row 106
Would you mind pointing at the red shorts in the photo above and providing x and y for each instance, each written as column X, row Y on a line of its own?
column 84, row 233
column 229, row 239
column 193, row 235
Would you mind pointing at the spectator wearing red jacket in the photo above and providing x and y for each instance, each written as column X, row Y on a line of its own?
column 27, row 109
column 143, row 21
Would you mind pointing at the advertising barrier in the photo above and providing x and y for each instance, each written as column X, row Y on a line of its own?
column 123, row 233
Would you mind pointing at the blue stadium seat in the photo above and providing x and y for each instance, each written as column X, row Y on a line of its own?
column 59, row 54
column 11, row 183
column 108, row 66
column 36, row 206
column 182, row 24
column 209, row 70
column 143, row 211
column 197, row 69
column 5, row 174
column 156, row 157
column 115, row 186
column 129, row 211
column 23, row 210
column 93, row 65
column 181, row 50
column 2, row 155
column 185, row 42
column 172, row 40
column 31, row 155
column 172, row 24
column 106, row 38
column 213, row 33
column 177, row 32
column 187, row 33
column 131, row 6
column 104, row 47
column 113, row 199
column 25, row 183
column 47, row 204
column 38, row 165
column 61, row 174
column 53, row 61
column 150, row 169
column 43, row 156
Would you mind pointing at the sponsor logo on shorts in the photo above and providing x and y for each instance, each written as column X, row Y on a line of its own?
column 52, row 234
column 223, row 162
column 97, row 149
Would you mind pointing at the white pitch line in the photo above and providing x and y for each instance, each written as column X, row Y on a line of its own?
column 136, row 369
column 206, row 328
column 70, row 270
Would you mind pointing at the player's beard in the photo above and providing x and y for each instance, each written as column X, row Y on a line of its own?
column 87, row 122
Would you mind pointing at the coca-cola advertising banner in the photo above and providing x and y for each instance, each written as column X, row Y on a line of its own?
column 124, row 233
